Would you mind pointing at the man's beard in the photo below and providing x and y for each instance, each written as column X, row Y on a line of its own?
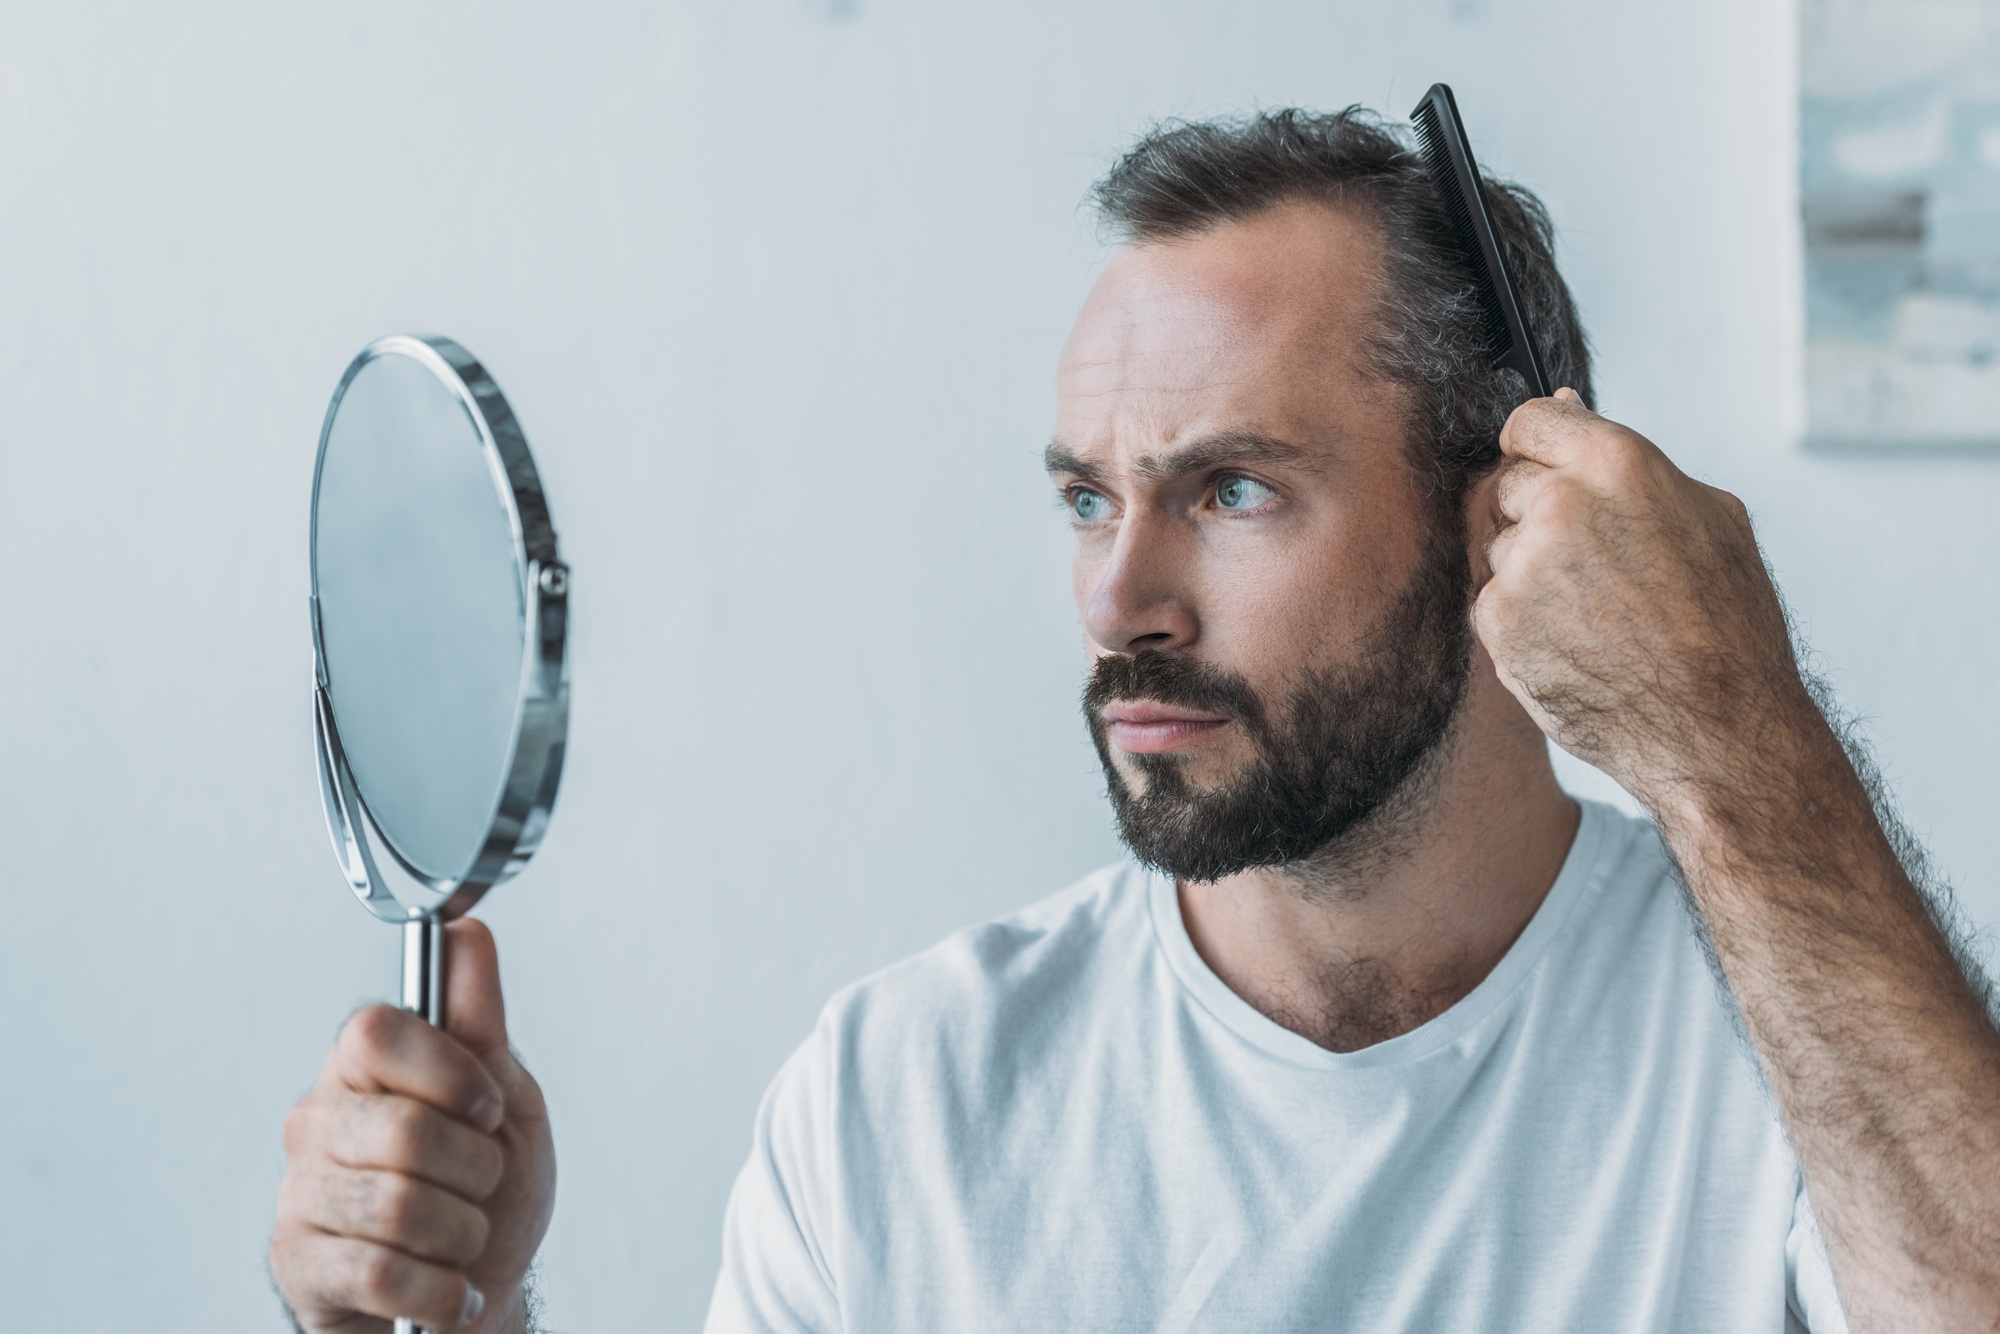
column 1347, row 741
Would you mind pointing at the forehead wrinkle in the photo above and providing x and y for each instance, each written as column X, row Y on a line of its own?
column 1149, row 326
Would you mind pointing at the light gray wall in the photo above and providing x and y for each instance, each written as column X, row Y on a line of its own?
column 776, row 287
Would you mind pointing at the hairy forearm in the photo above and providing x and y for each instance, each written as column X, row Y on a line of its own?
column 1879, row 1050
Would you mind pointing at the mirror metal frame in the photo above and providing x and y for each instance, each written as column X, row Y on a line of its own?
column 541, row 717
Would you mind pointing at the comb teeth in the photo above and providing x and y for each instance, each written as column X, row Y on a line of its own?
column 1461, row 230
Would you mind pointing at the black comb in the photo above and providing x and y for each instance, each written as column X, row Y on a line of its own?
column 1448, row 160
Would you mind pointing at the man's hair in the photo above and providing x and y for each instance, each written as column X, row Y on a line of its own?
column 1183, row 178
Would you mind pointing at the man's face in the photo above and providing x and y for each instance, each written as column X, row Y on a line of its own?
column 1276, row 615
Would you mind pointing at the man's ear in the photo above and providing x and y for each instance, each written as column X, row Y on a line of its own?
column 1483, row 522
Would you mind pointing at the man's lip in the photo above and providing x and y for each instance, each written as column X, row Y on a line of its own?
column 1144, row 727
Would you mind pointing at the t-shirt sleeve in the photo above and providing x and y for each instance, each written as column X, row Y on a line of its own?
column 1808, row 1274
column 776, row 1277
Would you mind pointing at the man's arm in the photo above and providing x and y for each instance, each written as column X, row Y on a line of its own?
column 1630, row 611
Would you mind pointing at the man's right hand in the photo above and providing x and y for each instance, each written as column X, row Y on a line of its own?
column 419, row 1171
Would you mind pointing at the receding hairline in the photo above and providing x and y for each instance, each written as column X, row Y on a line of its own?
column 1309, row 257
column 1334, row 291
column 1184, row 174
column 1350, row 208
column 1343, row 200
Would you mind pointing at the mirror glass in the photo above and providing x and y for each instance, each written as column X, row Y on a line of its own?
column 422, row 590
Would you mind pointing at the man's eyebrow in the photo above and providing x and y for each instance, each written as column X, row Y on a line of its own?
column 1060, row 458
column 1218, row 450
column 1201, row 455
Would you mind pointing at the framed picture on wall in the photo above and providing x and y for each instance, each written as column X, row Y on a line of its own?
column 1899, row 153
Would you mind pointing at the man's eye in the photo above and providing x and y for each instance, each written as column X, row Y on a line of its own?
column 1241, row 493
column 1087, row 505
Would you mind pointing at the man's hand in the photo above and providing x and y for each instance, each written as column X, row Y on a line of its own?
column 1628, row 607
column 420, row 1170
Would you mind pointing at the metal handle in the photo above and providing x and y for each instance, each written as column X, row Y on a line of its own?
column 423, row 969
column 423, row 995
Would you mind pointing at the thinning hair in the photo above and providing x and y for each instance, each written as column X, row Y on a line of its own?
column 1183, row 178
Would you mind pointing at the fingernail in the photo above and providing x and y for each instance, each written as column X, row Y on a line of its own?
column 475, row 1302
column 486, row 1115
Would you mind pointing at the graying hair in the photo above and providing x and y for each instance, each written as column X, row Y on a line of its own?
column 1184, row 177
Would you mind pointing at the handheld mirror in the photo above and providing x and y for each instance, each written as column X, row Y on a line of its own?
column 439, row 617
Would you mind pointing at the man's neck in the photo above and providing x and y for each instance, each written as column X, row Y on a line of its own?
column 1401, row 922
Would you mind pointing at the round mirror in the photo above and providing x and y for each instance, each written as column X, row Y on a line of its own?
column 439, row 617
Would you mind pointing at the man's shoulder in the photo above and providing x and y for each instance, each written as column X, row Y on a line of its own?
column 1000, row 975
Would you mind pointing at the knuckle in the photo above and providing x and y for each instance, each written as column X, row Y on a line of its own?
column 301, row 1126
column 293, row 1191
column 303, row 1264
column 1534, row 419
column 1622, row 459
column 1495, row 604
column 373, row 1029
column 1561, row 504
column 284, row 1252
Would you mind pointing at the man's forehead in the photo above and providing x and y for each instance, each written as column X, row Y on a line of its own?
column 1252, row 326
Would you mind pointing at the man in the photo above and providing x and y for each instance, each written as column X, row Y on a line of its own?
column 1378, row 1030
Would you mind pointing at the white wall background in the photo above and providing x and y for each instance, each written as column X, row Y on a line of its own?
column 776, row 287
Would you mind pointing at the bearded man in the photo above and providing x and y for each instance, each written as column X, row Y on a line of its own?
column 1377, row 1029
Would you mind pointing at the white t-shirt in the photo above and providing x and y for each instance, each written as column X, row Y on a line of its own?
column 1065, row 1121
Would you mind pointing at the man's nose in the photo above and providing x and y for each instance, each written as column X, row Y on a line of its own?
column 1137, row 598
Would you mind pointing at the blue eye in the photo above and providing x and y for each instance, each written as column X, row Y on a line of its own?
column 1087, row 505
column 1240, row 493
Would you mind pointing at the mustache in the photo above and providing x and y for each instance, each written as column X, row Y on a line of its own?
column 1171, row 678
